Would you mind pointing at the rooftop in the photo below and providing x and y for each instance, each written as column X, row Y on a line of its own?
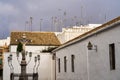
column 95, row 30
column 38, row 38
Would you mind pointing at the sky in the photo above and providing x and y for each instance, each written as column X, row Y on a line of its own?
column 52, row 15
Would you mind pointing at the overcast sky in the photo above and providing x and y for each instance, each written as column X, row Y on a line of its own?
column 15, row 13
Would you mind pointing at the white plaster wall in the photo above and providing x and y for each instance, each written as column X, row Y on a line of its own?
column 99, row 65
column 29, row 48
column 66, row 36
column 45, row 69
column 91, row 65
column 80, row 63
column 70, row 33
column 5, row 41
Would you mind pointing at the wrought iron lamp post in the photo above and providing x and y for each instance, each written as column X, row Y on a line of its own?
column 23, row 75
column 23, row 64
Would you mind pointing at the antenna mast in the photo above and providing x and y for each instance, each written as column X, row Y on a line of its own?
column 31, row 23
column 40, row 24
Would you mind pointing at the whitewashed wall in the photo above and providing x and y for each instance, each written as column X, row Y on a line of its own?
column 70, row 33
column 29, row 48
column 91, row 65
column 45, row 69
column 80, row 63
column 5, row 41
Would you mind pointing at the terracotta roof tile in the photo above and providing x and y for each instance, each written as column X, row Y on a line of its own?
column 38, row 38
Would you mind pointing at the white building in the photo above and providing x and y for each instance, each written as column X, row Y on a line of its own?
column 46, row 70
column 70, row 33
column 40, row 41
column 5, row 41
column 74, row 61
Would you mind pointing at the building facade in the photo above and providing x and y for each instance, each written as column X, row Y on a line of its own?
column 5, row 41
column 70, row 33
column 40, row 41
column 93, row 55
column 1, row 63
column 3, row 49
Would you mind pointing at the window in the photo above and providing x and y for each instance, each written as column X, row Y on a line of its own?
column 72, row 62
column 65, row 64
column 112, row 56
column 59, row 65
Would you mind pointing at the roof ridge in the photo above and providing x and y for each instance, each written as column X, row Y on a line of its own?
column 40, row 38
column 31, row 32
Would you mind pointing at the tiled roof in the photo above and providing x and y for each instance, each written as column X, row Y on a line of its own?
column 38, row 38
column 89, row 32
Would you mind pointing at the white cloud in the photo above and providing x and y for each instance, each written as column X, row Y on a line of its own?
column 8, row 9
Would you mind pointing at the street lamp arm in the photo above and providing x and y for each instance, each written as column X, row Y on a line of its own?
column 12, row 67
column 29, row 61
column 18, row 60
column 10, row 63
column 34, row 68
column 38, row 59
column 30, row 55
column 38, row 66
column 24, row 75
